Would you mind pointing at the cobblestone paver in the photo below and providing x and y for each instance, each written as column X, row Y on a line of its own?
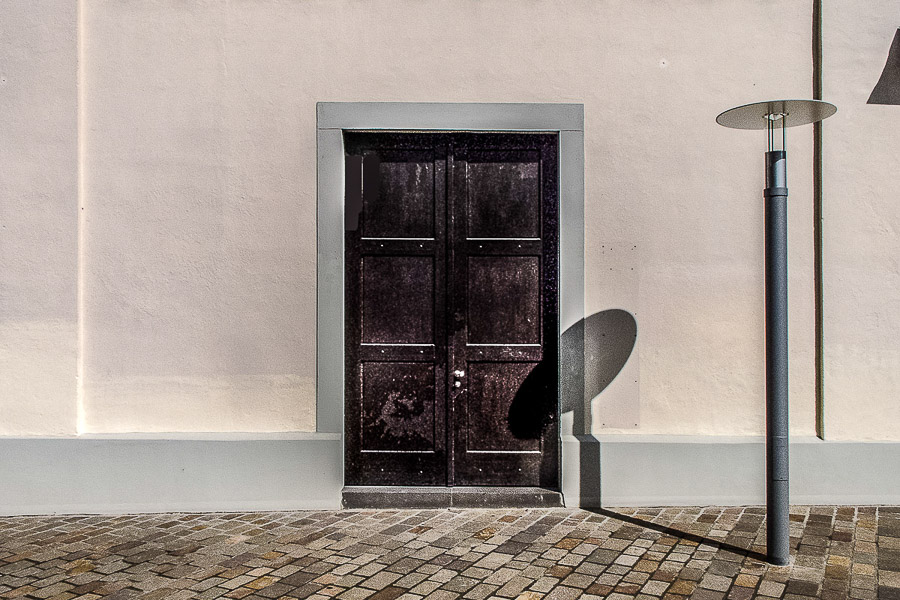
column 706, row 553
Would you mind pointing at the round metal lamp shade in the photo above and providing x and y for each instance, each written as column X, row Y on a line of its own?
column 780, row 113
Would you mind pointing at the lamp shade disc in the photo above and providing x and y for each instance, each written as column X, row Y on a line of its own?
column 781, row 113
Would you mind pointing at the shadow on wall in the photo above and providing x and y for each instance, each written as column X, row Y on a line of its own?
column 606, row 340
column 592, row 353
column 887, row 90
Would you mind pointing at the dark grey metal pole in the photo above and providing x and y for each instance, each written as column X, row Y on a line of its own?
column 771, row 115
column 777, row 504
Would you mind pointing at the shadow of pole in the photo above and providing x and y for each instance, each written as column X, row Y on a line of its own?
column 593, row 352
column 606, row 339
column 684, row 535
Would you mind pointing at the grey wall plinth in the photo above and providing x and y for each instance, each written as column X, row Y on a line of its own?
column 581, row 470
column 694, row 470
column 150, row 473
column 245, row 472
column 845, row 472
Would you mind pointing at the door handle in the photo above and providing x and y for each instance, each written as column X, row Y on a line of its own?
column 458, row 374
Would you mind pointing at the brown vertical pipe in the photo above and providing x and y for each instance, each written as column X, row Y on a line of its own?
column 817, row 221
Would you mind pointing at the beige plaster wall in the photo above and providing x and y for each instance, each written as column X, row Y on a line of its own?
column 200, row 223
column 674, row 212
column 198, row 154
column 861, row 226
column 200, row 190
column 38, row 215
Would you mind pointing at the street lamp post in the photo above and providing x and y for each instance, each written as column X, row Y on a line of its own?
column 771, row 116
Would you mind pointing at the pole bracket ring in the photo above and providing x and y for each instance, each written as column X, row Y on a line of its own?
column 775, row 191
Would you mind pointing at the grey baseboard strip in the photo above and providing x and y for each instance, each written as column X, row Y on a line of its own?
column 211, row 473
column 685, row 470
column 120, row 475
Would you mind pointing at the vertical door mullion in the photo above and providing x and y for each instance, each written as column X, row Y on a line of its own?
column 441, row 364
column 456, row 294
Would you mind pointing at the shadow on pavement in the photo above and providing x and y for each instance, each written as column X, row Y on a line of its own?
column 693, row 537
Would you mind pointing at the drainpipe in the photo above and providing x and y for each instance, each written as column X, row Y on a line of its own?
column 818, row 223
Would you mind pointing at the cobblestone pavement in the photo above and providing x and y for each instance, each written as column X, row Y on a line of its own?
column 671, row 553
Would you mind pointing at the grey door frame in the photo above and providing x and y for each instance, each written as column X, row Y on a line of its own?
column 333, row 118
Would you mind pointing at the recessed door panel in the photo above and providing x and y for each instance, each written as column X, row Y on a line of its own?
column 492, row 391
column 503, row 194
column 451, row 309
column 504, row 300
column 398, row 407
column 397, row 299
column 399, row 199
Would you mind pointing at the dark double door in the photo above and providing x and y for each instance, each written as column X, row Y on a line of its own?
column 451, row 294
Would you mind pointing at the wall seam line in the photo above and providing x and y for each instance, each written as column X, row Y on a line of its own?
column 80, row 417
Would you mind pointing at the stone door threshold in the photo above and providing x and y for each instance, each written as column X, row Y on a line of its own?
column 445, row 497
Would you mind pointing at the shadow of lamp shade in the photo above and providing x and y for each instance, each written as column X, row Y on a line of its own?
column 772, row 116
column 887, row 90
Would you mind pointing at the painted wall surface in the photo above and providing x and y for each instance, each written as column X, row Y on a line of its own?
column 861, row 226
column 38, row 215
column 200, row 220
column 674, row 212
column 198, row 154
column 200, row 231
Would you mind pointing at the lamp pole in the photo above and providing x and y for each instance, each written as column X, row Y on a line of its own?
column 777, row 484
column 772, row 115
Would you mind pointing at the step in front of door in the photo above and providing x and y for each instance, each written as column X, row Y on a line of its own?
column 445, row 497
